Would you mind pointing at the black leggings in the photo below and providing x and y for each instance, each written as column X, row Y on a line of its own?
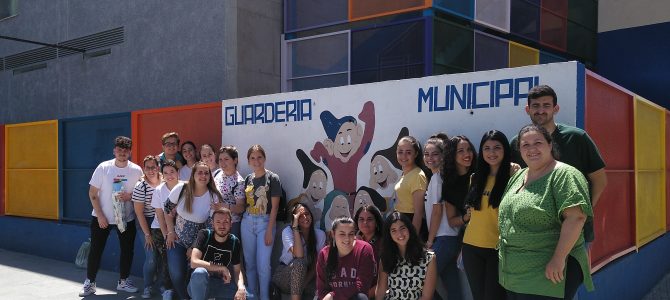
column 573, row 279
column 98, row 242
column 481, row 267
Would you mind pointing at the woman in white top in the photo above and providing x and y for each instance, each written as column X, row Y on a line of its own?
column 191, row 157
column 142, row 194
column 192, row 200
column 302, row 242
column 170, row 173
column 208, row 156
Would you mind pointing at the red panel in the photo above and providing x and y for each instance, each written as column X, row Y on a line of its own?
column 2, row 170
column 667, row 170
column 198, row 123
column 559, row 7
column 553, row 30
column 609, row 121
column 614, row 221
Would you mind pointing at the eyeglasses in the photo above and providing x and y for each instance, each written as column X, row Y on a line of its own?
column 154, row 168
column 170, row 144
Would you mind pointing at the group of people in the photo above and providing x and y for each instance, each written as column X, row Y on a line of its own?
column 516, row 216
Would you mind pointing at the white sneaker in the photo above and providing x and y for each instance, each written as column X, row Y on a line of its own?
column 126, row 285
column 167, row 295
column 147, row 293
column 89, row 289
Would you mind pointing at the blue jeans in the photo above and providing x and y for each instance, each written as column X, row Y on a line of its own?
column 257, row 255
column 447, row 249
column 203, row 287
column 178, row 267
column 149, row 267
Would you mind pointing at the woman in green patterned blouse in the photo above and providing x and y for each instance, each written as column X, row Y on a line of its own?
column 541, row 216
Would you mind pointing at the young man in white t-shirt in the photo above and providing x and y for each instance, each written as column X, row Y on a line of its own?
column 110, row 192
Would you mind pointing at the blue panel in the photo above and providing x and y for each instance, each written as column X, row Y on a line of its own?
column 632, row 276
column 83, row 144
column 490, row 52
column 547, row 58
column 61, row 241
column 89, row 141
column 581, row 91
column 394, row 51
column 646, row 56
column 305, row 14
column 76, row 205
column 463, row 8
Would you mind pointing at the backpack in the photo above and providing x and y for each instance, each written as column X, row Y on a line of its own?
column 282, row 209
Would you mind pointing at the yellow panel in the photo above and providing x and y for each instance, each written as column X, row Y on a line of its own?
column 649, row 206
column 650, row 171
column 32, row 145
column 520, row 55
column 32, row 193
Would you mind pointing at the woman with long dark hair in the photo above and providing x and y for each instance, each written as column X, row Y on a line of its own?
column 369, row 223
column 301, row 243
column 411, row 187
column 408, row 270
column 480, row 257
column 191, row 157
column 192, row 200
column 344, row 270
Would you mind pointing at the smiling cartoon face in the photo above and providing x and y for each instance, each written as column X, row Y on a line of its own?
column 347, row 141
column 339, row 208
column 316, row 188
column 382, row 173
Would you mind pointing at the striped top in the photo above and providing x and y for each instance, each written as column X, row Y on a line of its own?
column 142, row 193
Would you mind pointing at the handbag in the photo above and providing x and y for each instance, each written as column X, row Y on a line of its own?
column 81, row 261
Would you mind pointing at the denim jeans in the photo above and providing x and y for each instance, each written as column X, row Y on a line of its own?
column 149, row 267
column 178, row 267
column 447, row 249
column 203, row 287
column 257, row 255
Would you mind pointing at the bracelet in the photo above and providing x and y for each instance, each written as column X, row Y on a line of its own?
column 146, row 234
column 463, row 219
column 295, row 228
column 170, row 232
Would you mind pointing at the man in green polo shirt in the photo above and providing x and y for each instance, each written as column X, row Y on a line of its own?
column 574, row 145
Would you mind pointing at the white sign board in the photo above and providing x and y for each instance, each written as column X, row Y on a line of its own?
column 341, row 129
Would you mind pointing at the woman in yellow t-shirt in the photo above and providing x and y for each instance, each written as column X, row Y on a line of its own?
column 411, row 187
column 480, row 257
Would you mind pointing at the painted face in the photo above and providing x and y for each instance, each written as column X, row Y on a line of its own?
column 316, row 187
column 121, row 154
column 493, row 152
column 339, row 207
column 399, row 233
column 150, row 169
column 305, row 219
column 257, row 161
column 535, row 150
column 188, row 152
column 202, row 176
column 382, row 173
column 362, row 198
column 170, row 146
column 221, row 224
column 542, row 110
column 464, row 154
column 170, row 175
column 347, row 141
column 207, row 155
column 227, row 163
column 432, row 157
column 406, row 154
column 366, row 223
column 344, row 235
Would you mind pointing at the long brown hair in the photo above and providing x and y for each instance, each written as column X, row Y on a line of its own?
column 190, row 187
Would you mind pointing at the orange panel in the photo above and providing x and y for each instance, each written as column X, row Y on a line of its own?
column 2, row 170
column 609, row 121
column 366, row 9
column 199, row 123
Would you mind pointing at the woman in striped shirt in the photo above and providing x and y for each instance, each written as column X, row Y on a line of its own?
column 142, row 194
